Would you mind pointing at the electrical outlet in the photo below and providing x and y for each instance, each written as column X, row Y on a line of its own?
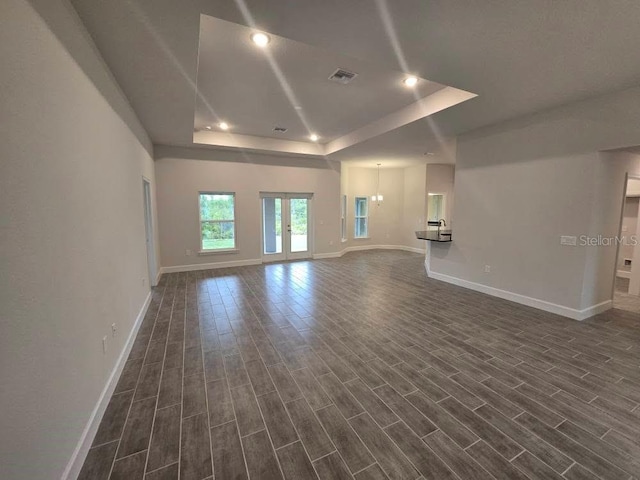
column 487, row 269
column 330, row 242
column 625, row 228
column 104, row 344
column 187, row 252
column 114, row 329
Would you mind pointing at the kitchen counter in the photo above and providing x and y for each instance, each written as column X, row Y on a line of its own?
column 434, row 235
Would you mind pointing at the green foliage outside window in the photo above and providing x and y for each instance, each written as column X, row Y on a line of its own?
column 298, row 208
column 217, row 221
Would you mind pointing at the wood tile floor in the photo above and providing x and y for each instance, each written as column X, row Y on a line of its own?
column 621, row 298
column 361, row 367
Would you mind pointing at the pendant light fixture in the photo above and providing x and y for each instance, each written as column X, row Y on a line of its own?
column 377, row 197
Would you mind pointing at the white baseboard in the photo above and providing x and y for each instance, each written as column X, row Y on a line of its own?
column 158, row 276
column 258, row 261
column 209, row 266
column 572, row 313
column 596, row 309
column 623, row 274
column 320, row 256
column 421, row 251
column 383, row 247
column 74, row 466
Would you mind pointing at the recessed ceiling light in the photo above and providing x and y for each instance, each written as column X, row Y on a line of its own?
column 260, row 39
column 410, row 81
column 208, row 127
column 223, row 126
column 298, row 107
column 429, row 153
column 313, row 137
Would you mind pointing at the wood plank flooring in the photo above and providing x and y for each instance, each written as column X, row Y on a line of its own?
column 361, row 367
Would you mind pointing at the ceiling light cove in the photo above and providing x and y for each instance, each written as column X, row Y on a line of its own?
column 260, row 39
column 410, row 81
column 256, row 80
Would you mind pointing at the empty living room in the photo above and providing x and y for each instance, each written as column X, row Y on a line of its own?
column 367, row 239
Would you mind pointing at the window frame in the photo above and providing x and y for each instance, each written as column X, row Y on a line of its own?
column 356, row 217
column 343, row 218
column 209, row 251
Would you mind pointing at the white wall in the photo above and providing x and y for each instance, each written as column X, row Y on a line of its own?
column 633, row 187
column 522, row 184
column 182, row 173
column 386, row 219
column 414, row 212
column 441, row 179
column 72, row 243
column 629, row 224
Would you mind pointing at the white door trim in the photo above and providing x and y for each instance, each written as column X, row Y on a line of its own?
column 149, row 235
column 286, row 253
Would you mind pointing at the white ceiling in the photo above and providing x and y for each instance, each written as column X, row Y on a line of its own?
column 519, row 57
column 255, row 89
column 400, row 148
column 286, row 84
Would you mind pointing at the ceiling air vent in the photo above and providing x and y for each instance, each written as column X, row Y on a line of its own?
column 343, row 76
column 279, row 129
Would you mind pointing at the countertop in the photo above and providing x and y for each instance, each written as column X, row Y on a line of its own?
column 434, row 235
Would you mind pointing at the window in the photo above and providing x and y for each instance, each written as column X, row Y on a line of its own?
column 217, row 221
column 435, row 207
column 362, row 217
column 343, row 218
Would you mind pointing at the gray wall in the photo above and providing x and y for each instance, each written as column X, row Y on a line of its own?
column 441, row 179
column 72, row 242
column 181, row 173
column 415, row 201
column 521, row 184
column 399, row 215
column 629, row 225
column 385, row 220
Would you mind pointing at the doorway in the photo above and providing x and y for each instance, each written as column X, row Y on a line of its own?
column 148, row 231
column 626, row 288
column 286, row 226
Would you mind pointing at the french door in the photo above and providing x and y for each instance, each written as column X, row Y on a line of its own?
column 286, row 226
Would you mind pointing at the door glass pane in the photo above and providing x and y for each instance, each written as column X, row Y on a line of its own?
column 272, row 221
column 299, row 224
